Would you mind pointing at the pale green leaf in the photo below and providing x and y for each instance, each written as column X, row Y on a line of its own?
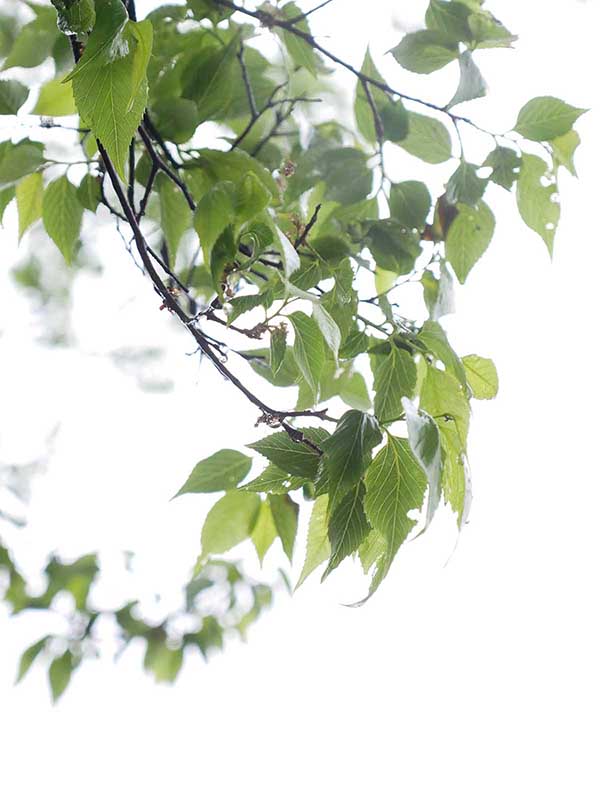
column 59, row 674
column 563, row 150
column 471, row 84
column 29, row 193
column 285, row 514
column 229, row 522
column 482, row 376
column 537, row 199
column 545, row 118
column 223, row 470
column 175, row 216
column 425, row 442
column 18, row 160
column 55, row 99
column 425, row 51
column 428, row 139
column 465, row 186
column 469, row 237
column 318, row 548
column 62, row 212
column 264, row 532
column 410, row 203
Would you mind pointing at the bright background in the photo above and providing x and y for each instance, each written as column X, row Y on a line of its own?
column 473, row 673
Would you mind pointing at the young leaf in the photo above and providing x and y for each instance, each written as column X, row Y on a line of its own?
column 348, row 452
column 482, row 377
column 229, row 522
column 222, row 471
column 425, row 51
column 469, row 237
column 62, row 212
column 395, row 377
column 318, row 547
column 55, row 99
column 545, row 118
column 29, row 193
column 536, row 200
column 309, row 351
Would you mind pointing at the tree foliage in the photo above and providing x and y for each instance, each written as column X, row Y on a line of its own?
column 303, row 245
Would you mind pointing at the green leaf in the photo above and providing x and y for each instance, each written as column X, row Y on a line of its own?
column 450, row 19
column 274, row 480
column 75, row 16
column 264, row 532
column 471, row 84
column 393, row 246
column 277, row 349
column 12, row 96
column 60, row 673
column 545, row 118
column 213, row 215
column 348, row 452
column 106, row 85
column 6, row 196
column 162, row 660
column 309, row 350
column 301, row 52
column 29, row 193
column 29, row 656
column 563, row 150
column 229, row 522
column 34, row 42
column 318, row 547
column 444, row 399
column 296, row 458
column 505, row 165
column 465, row 186
column 223, row 470
column 143, row 35
column 252, row 197
column 55, row 99
column 428, row 139
column 425, row 51
column 438, row 292
column 208, row 79
column 482, row 376
column 109, row 25
column 18, row 160
column 88, row 192
column 175, row 216
column 488, row 31
column 362, row 108
column 469, row 237
column 346, row 174
column 395, row 487
column 536, row 193
column 433, row 336
column 348, row 527
column 62, row 212
column 395, row 377
column 329, row 329
column 410, row 203
column 285, row 514
column 425, row 442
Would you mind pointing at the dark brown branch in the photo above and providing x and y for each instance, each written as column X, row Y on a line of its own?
column 160, row 164
column 300, row 17
column 301, row 239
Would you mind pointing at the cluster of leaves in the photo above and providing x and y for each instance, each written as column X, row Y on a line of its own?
column 219, row 602
column 300, row 241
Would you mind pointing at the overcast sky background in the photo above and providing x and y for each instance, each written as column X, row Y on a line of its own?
column 473, row 677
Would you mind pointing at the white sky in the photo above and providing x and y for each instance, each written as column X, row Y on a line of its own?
column 472, row 679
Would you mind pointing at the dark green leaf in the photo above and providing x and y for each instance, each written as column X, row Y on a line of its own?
column 395, row 377
column 175, row 216
column 29, row 656
column 450, row 19
column 410, row 203
column 348, row 526
column 12, row 96
column 296, row 458
column 60, row 673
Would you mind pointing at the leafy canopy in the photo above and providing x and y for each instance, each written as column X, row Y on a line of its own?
column 301, row 247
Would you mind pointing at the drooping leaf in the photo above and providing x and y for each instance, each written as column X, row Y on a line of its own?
column 537, row 200
column 563, row 150
column 347, row 528
column 264, row 531
column 348, row 452
column 482, row 376
column 29, row 193
column 309, row 350
column 285, row 514
column 89, row 193
column 318, row 548
column 395, row 487
column 471, row 84
column 59, row 674
column 62, row 212
column 469, row 237
column 29, row 656
column 229, row 522
column 395, row 377
column 424, row 440
column 545, row 118
column 222, row 471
